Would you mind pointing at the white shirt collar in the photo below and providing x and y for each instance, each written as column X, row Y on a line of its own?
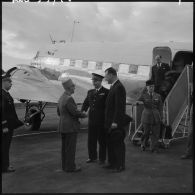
column 5, row 90
column 98, row 88
column 114, row 82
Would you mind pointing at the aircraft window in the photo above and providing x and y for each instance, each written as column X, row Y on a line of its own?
column 85, row 64
column 106, row 65
column 66, row 62
column 61, row 61
column 133, row 69
column 143, row 70
column 91, row 65
column 78, row 63
column 52, row 61
column 72, row 62
column 123, row 68
column 98, row 65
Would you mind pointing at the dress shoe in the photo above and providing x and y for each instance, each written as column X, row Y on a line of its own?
column 8, row 170
column 108, row 167
column 186, row 156
column 155, row 151
column 101, row 162
column 90, row 161
column 74, row 170
column 117, row 170
column 143, row 148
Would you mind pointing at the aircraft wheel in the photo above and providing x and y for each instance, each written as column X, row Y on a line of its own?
column 35, row 121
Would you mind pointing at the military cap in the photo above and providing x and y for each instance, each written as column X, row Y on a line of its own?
column 67, row 82
column 97, row 76
column 5, row 77
column 149, row 82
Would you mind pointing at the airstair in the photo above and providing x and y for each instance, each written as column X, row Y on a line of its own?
column 175, row 110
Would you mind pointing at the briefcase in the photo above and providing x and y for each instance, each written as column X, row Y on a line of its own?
column 117, row 135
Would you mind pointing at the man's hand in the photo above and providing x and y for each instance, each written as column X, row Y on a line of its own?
column 5, row 130
column 113, row 126
column 84, row 115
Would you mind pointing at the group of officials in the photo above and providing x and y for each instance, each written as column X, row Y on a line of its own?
column 107, row 122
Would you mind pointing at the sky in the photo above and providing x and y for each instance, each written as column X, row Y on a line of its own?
column 26, row 26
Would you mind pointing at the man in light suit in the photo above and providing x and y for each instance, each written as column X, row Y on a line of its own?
column 151, row 116
column 114, row 121
column 95, row 102
column 158, row 73
column 68, row 126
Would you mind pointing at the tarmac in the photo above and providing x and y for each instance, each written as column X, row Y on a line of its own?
column 36, row 158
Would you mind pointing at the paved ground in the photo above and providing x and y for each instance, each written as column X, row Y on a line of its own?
column 38, row 169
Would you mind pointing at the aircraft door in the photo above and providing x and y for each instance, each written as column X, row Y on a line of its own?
column 164, row 52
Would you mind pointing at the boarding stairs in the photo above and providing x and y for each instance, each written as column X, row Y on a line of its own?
column 175, row 110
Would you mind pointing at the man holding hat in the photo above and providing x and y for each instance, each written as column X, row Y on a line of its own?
column 9, row 122
column 158, row 73
column 95, row 102
column 68, row 125
column 151, row 116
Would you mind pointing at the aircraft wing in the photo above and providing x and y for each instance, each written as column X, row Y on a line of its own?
column 28, row 83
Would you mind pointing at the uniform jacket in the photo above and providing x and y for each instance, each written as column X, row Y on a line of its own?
column 115, row 105
column 9, row 116
column 69, row 114
column 158, row 74
column 153, row 108
column 95, row 102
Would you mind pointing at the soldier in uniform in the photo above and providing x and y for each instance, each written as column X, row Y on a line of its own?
column 151, row 116
column 68, row 126
column 95, row 102
column 9, row 122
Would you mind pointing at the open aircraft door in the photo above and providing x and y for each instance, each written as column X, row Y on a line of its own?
column 164, row 52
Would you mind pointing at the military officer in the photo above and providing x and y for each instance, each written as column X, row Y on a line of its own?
column 151, row 116
column 95, row 102
column 9, row 122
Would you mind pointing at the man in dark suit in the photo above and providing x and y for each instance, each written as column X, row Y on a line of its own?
column 151, row 116
column 114, row 121
column 95, row 102
column 9, row 122
column 68, row 126
column 158, row 73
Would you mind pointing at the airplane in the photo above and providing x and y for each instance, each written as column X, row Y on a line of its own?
column 40, row 81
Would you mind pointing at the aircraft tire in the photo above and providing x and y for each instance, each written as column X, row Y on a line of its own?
column 35, row 121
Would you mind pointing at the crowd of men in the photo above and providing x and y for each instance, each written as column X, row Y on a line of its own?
column 107, row 119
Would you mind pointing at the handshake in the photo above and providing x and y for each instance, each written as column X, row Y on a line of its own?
column 83, row 115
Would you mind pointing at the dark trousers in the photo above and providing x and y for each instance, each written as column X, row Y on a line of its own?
column 6, row 142
column 68, row 151
column 96, row 133
column 116, row 151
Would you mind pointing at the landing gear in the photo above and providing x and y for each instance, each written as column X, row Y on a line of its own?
column 34, row 115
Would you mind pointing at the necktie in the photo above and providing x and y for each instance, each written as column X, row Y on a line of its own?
column 151, row 95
